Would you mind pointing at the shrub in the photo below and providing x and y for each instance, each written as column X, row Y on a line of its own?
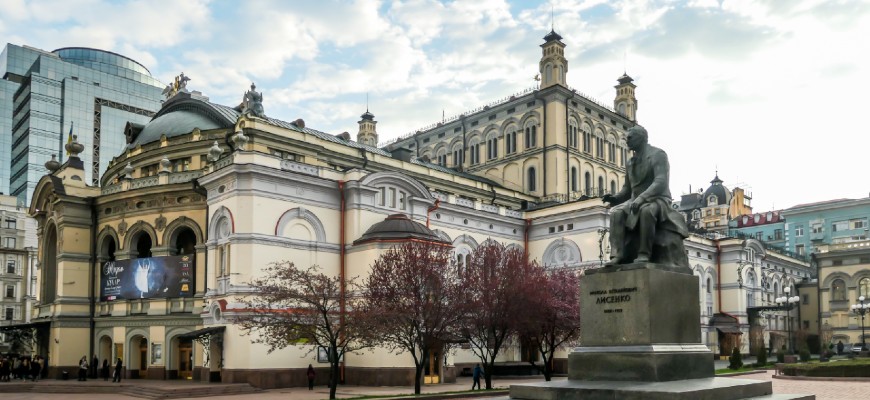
column 761, row 357
column 805, row 354
column 736, row 359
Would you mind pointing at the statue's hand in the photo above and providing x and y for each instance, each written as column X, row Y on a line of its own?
column 608, row 198
column 635, row 205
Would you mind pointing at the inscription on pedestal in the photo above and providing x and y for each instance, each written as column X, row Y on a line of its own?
column 609, row 300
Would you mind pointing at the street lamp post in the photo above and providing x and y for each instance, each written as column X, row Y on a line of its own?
column 788, row 303
column 860, row 309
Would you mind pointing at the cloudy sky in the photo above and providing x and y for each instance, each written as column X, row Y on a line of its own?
column 769, row 91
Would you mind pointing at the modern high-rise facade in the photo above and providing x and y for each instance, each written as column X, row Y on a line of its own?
column 45, row 95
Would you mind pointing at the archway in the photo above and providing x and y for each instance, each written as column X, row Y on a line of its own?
column 143, row 245
column 184, row 358
column 183, row 242
column 104, row 351
column 137, row 366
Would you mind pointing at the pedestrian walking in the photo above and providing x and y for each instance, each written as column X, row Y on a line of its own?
column 117, row 376
column 311, row 375
column 35, row 369
column 475, row 377
column 25, row 369
column 95, row 367
column 5, row 370
column 840, row 347
column 83, row 369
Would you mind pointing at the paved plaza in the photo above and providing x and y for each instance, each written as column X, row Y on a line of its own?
column 824, row 390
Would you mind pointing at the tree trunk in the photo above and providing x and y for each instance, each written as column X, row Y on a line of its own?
column 333, row 378
column 418, row 373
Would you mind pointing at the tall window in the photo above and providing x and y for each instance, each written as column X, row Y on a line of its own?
column 457, row 157
column 10, row 313
column 599, row 147
column 572, row 133
column 750, row 294
column 492, row 147
column 442, row 158
column 799, row 231
column 587, row 139
column 587, row 184
column 10, row 291
column 601, row 186
column 10, row 266
column 10, row 224
column 475, row 153
column 838, row 290
column 611, row 152
column 532, row 179
column 510, row 140
column 612, row 187
column 622, row 156
column 864, row 288
column 531, row 135
column 799, row 249
column 574, row 179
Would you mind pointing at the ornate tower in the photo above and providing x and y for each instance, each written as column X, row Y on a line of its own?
column 368, row 134
column 553, row 65
column 625, row 103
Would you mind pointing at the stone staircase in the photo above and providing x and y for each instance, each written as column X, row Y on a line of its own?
column 145, row 390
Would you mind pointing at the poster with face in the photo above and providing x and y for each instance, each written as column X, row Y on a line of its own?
column 145, row 278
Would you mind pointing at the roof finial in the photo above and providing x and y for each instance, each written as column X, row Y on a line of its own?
column 367, row 101
column 552, row 18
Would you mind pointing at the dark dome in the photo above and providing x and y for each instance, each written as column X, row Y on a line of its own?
column 723, row 195
column 552, row 36
column 173, row 124
column 398, row 227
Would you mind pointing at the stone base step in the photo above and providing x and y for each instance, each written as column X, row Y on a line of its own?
column 690, row 389
column 785, row 397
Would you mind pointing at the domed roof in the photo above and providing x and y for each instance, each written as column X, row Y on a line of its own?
column 173, row 124
column 552, row 36
column 182, row 115
column 398, row 227
column 723, row 195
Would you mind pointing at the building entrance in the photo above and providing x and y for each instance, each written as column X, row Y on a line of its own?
column 185, row 359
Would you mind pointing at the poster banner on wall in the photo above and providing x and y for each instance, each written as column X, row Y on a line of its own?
column 146, row 278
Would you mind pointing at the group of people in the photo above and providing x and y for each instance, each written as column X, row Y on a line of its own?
column 101, row 372
column 23, row 368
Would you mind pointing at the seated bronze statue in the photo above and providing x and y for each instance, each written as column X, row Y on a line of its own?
column 643, row 226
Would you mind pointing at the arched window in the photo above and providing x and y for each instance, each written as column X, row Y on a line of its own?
column 750, row 293
column 712, row 200
column 531, row 135
column 492, row 147
column 510, row 140
column 612, row 187
column 442, row 157
column 457, row 156
column 601, row 186
column 587, row 138
column 838, row 290
column 574, row 179
column 474, row 152
column 709, row 285
column 548, row 77
column 572, row 133
column 864, row 288
column 587, row 184
column 143, row 245
column 532, row 179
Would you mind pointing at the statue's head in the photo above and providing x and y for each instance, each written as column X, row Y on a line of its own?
column 636, row 137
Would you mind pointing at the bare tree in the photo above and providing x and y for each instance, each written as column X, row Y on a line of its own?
column 305, row 307
column 413, row 294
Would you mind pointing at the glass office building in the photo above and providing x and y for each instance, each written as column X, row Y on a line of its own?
column 45, row 94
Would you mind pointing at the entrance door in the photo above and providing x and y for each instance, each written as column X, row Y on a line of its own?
column 185, row 359
column 143, row 358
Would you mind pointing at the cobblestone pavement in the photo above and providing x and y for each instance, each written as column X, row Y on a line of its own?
column 824, row 390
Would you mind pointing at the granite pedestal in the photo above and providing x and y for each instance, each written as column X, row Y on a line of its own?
column 640, row 338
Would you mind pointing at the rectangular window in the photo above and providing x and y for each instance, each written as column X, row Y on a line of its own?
column 806, row 324
column 777, row 234
column 840, row 226
column 758, row 236
column 806, row 298
column 10, row 267
column 799, row 249
column 10, row 312
column 857, row 223
column 392, row 198
column 10, row 242
column 10, row 291
column 799, row 231
column 180, row 165
column 818, row 228
column 10, row 224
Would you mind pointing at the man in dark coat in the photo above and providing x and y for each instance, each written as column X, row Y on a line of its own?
column 645, row 206
column 117, row 376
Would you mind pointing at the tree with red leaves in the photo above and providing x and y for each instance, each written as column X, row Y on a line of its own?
column 552, row 319
column 498, row 283
column 413, row 294
column 305, row 307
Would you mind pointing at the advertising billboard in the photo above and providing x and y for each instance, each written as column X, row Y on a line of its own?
column 146, row 278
